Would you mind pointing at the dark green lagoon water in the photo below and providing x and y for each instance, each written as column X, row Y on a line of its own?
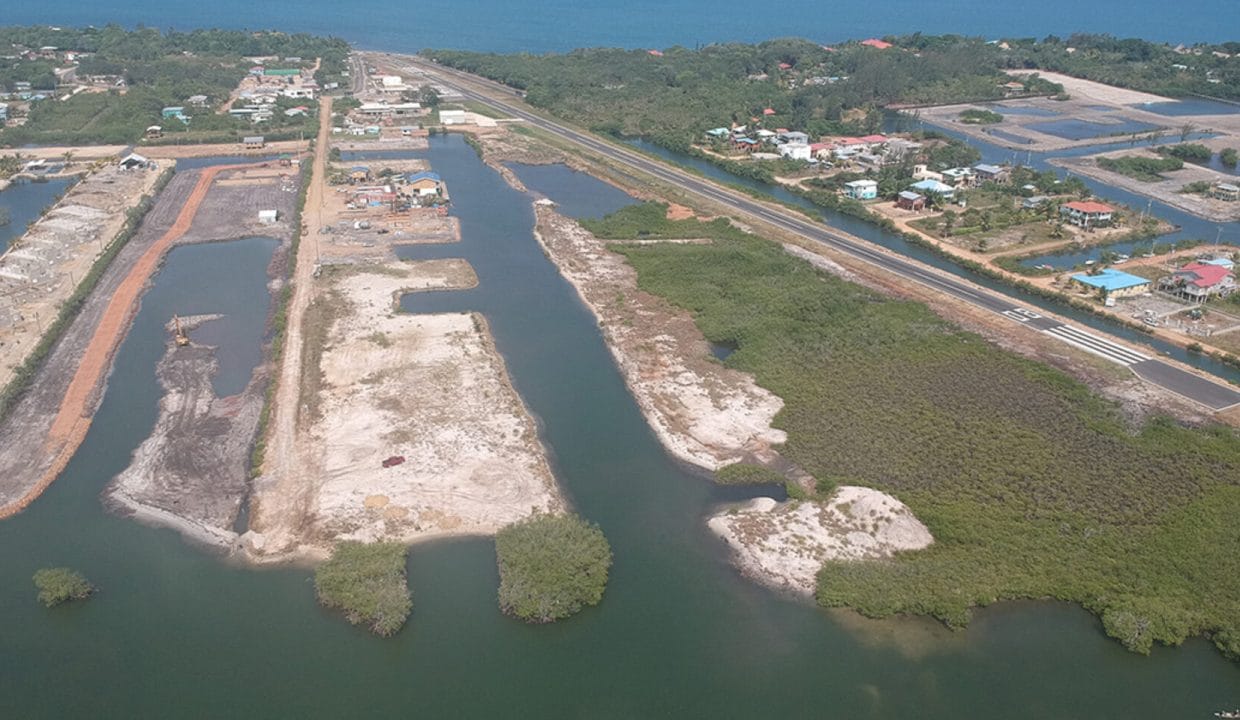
column 176, row 632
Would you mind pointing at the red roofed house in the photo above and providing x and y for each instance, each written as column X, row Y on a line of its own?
column 1200, row 281
column 1087, row 213
column 656, row 53
column 873, row 139
column 876, row 43
column 785, row 66
column 768, row 112
column 821, row 150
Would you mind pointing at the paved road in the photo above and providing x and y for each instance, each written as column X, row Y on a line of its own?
column 1210, row 393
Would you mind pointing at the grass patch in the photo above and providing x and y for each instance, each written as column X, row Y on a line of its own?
column 975, row 116
column 551, row 567
column 1145, row 169
column 367, row 582
column 58, row 585
column 1033, row 486
column 317, row 322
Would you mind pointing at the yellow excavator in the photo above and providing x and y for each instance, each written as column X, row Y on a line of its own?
column 179, row 334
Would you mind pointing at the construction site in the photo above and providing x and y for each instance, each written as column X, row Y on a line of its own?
column 50, row 420
column 387, row 425
column 42, row 268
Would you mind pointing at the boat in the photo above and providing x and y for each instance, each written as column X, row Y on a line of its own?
column 1228, row 714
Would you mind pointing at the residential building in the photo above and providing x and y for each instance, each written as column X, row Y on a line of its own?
column 718, row 133
column 992, row 173
column 196, row 100
column 958, row 177
column 923, row 172
column 1087, row 213
column 1112, row 283
column 254, row 142
column 744, row 144
column 795, row 151
column 154, row 132
column 1033, row 203
column 909, row 200
column 794, row 137
column 1200, row 281
column 175, row 111
column 861, row 189
column 930, row 185
column 876, row 44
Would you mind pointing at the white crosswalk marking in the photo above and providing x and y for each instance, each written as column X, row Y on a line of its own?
column 1099, row 346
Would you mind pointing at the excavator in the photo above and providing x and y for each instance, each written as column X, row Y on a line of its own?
column 179, row 333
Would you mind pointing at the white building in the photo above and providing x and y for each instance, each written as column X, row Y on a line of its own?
column 452, row 117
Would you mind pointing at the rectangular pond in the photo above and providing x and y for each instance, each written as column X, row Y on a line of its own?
column 1074, row 129
column 1190, row 106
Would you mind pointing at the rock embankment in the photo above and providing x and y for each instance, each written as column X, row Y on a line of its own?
column 784, row 545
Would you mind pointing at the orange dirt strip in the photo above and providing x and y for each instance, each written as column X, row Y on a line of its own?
column 73, row 419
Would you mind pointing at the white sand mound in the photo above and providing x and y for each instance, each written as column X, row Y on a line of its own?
column 785, row 544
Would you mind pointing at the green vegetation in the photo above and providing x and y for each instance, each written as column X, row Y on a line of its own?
column 974, row 116
column 1132, row 63
column 1188, row 152
column 1229, row 156
column 156, row 70
column 1198, row 187
column 551, row 567
column 1033, row 486
column 367, row 582
column 675, row 97
column 58, row 585
column 1145, row 169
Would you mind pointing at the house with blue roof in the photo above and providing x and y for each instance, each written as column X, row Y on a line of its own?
column 1111, row 283
column 423, row 183
column 930, row 185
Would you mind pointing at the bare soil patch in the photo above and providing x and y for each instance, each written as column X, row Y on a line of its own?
column 785, row 544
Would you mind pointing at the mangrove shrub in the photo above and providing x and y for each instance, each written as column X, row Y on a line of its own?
column 550, row 567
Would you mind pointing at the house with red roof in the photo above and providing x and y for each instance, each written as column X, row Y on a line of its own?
column 1200, row 281
column 876, row 43
column 1087, row 213
column 785, row 66
column 768, row 112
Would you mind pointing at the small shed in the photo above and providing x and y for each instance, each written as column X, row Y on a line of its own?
column 154, row 132
column 254, row 142
column 268, row 217
column 133, row 161
column 908, row 200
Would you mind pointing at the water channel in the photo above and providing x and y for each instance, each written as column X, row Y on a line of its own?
column 24, row 201
column 178, row 632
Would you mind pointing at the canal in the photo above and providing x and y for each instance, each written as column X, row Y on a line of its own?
column 178, row 632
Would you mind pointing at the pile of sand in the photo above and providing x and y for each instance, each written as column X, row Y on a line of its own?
column 785, row 544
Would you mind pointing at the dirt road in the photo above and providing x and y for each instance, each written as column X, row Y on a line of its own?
column 281, row 460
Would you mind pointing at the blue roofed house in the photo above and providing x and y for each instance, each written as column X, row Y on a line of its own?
column 423, row 183
column 175, row 111
column 1111, row 283
column 930, row 185
column 719, row 133
column 861, row 189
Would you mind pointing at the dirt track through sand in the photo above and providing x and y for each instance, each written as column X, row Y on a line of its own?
column 74, row 416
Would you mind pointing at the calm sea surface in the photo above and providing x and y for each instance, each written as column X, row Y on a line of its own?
column 558, row 25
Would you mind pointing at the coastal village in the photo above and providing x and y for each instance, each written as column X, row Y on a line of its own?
column 379, row 414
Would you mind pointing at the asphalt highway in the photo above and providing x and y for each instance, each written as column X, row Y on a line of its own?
column 1210, row 393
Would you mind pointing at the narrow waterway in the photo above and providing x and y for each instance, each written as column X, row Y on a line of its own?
column 875, row 234
column 177, row 632
column 23, row 202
